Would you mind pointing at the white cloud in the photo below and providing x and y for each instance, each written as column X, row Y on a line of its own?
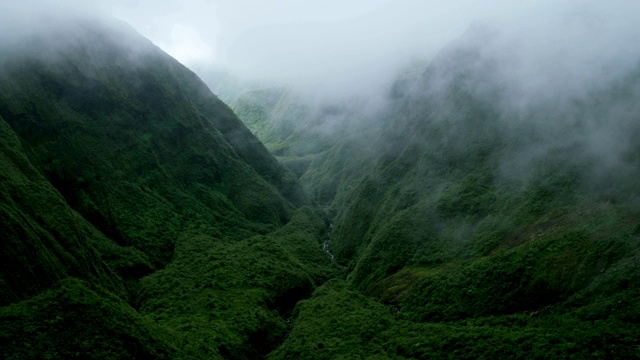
column 186, row 29
column 340, row 42
column 186, row 45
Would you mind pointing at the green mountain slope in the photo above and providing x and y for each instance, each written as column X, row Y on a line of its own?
column 469, row 219
column 327, row 144
column 489, row 228
column 43, row 239
column 120, row 168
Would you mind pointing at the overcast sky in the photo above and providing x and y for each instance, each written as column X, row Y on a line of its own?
column 322, row 40
column 245, row 33
column 309, row 40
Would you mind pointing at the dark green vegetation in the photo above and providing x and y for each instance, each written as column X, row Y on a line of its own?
column 141, row 219
column 327, row 145
column 474, row 228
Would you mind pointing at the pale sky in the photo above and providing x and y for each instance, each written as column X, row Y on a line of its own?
column 199, row 30
column 314, row 41
column 308, row 40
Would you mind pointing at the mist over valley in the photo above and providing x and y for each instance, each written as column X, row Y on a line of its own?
column 361, row 179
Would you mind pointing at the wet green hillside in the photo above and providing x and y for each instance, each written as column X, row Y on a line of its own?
column 481, row 227
column 140, row 217
column 466, row 215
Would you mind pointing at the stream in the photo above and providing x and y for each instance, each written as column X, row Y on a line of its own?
column 326, row 244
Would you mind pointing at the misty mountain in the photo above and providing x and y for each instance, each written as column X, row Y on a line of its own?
column 130, row 194
column 483, row 206
column 484, row 209
column 326, row 143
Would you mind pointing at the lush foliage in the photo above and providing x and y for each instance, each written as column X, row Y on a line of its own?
column 142, row 219
column 488, row 231
column 120, row 168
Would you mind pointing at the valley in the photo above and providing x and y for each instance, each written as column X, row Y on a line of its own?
column 460, row 213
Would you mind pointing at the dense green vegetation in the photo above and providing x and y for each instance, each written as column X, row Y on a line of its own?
column 326, row 144
column 486, row 231
column 142, row 219
column 339, row 323
column 71, row 321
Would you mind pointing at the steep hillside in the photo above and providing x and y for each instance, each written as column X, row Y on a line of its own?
column 490, row 222
column 136, row 206
column 327, row 144
column 471, row 214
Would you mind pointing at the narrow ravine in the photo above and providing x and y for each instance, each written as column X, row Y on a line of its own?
column 326, row 244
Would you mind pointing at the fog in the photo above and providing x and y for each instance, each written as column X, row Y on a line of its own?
column 547, row 51
column 355, row 45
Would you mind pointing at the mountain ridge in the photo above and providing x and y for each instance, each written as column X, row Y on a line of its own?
column 484, row 214
column 143, row 219
column 119, row 160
